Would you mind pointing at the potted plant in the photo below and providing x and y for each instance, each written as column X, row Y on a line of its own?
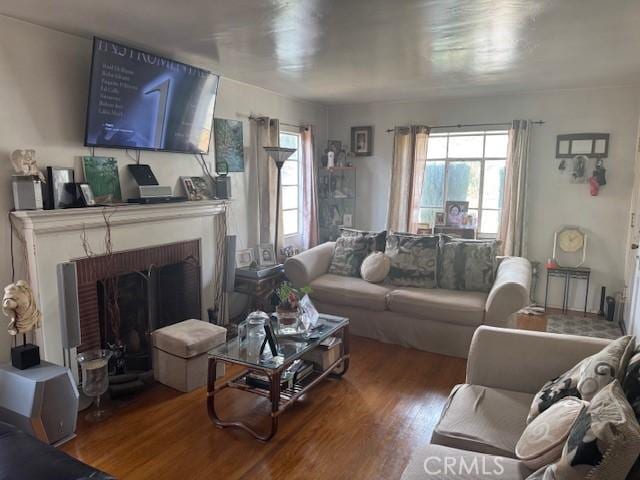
column 287, row 308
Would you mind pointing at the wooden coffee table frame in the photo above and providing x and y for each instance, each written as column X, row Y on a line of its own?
column 280, row 399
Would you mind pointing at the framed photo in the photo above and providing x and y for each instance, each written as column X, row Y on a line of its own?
column 362, row 141
column 86, row 195
column 102, row 174
column 266, row 254
column 59, row 191
column 440, row 218
column 197, row 188
column 347, row 220
column 456, row 212
column 244, row 258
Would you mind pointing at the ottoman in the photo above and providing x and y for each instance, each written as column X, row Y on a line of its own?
column 180, row 353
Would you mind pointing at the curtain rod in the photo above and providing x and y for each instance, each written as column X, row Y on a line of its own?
column 256, row 118
column 461, row 125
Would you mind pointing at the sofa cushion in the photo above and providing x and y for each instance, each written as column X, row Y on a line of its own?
column 586, row 378
column 461, row 308
column 348, row 255
column 603, row 443
column 377, row 240
column 467, row 264
column 350, row 291
column 543, row 439
column 482, row 419
column 414, row 260
column 438, row 462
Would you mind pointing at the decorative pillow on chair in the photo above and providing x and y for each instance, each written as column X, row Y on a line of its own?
column 603, row 443
column 542, row 441
column 467, row 264
column 378, row 239
column 375, row 267
column 348, row 255
column 587, row 378
column 414, row 260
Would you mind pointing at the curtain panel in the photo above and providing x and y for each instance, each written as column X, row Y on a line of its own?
column 513, row 219
column 407, row 177
column 309, row 237
column 268, row 135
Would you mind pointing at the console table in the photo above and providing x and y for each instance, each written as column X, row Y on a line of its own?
column 567, row 273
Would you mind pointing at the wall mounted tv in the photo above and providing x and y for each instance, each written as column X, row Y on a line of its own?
column 138, row 100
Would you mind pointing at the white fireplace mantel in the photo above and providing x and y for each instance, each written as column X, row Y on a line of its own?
column 52, row 237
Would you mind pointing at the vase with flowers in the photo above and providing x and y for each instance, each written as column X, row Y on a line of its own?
column 287, row 309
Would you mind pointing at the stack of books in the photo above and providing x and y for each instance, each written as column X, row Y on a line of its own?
column 326, row 354
column 297, row 371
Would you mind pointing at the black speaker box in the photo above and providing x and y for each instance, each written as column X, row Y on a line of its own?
column 25, row 356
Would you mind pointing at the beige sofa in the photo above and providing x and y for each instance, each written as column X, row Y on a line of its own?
column 484, row 418
column 435, row 320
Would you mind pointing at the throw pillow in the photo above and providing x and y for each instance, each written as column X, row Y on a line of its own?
column 378, row 239
column 542, row 441
column 348, row 255
column 375, row 267
column 467, row 264
column 603, row 443
column 631, row 383
column 413, row 260
column 587, row 378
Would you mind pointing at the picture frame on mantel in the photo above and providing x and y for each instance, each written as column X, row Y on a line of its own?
column 362, row 141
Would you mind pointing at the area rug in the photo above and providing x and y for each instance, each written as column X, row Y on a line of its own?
column 588, row 327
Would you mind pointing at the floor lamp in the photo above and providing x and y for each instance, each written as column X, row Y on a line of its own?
column 279, row 155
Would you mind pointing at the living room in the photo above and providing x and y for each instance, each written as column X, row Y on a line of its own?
column 453, row 186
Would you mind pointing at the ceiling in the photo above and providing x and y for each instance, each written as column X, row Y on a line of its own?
column 344, row 51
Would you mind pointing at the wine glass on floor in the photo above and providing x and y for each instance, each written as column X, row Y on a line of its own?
column 95, row 379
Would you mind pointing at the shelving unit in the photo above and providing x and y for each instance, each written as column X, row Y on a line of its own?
column 336, row 200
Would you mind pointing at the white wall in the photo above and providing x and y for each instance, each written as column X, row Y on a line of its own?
column 44, row 78
column 553, row 201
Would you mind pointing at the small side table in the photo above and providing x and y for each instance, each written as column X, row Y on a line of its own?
column 579, row 273
column 259, row 290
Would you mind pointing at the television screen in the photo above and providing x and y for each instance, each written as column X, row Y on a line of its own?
column 138, row 100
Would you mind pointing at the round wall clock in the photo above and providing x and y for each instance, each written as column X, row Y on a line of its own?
column 571, row 240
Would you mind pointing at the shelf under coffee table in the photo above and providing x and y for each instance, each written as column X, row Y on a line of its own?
column 291, row 349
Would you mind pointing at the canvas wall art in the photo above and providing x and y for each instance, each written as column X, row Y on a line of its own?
column 228, row 143
column 102, row 174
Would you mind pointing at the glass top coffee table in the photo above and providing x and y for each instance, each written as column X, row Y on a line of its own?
column 291, row 348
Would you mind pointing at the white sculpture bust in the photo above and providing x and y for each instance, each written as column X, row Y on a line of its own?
column 24, row 163
column 19, row 304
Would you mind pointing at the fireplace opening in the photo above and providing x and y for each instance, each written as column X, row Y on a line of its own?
column 134, row 304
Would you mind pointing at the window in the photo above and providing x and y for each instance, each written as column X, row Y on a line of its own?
column 466, row 166
column 291, row 185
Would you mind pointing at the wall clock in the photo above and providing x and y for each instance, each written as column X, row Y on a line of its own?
column 572, row 241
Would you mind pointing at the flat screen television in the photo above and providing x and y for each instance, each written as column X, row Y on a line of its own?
column 138, row 100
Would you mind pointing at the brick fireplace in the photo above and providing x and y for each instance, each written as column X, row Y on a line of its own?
column 141, row 236
column 161, row 284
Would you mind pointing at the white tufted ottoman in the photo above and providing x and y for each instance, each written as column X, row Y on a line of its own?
column 180, row 353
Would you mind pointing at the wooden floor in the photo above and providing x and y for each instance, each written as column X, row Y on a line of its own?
column 364, row 426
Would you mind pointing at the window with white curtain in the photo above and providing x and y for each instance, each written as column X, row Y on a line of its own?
column 466, row 166
column 291, row 185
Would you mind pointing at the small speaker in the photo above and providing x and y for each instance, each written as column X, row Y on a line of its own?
column 230, row 264
column 223, row 186
column 68, row 304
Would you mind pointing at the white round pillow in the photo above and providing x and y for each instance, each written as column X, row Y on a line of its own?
column 375, row 267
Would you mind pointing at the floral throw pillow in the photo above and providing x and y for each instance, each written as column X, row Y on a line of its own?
column 414, row 260
column 587, row 378
column 603, row 443
column 467, row 264
column 378, row 239
column 348, row 255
